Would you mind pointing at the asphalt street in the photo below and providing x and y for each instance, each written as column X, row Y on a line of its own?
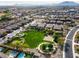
column 68, row 44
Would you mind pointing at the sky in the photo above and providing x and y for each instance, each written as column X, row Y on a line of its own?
column 32, row 2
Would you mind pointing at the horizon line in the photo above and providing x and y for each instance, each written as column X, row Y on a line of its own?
column 11, row 3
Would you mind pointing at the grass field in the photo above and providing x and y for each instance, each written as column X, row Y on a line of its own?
column 31, row 39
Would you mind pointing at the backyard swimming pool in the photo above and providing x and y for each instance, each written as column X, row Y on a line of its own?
column 21, row 55
column 1, row 48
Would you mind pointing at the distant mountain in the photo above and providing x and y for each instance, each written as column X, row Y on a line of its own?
column 27, row 5
column 68, row 3
column 65, row 3
column 33, row 4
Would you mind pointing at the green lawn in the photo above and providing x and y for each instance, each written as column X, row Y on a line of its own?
column 33, row 38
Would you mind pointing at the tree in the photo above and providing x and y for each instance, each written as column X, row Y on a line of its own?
column 77, row 49
column 4, row 18
column 56, row 37
column 6, row 11
column 61, row 43
column 78, row 37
